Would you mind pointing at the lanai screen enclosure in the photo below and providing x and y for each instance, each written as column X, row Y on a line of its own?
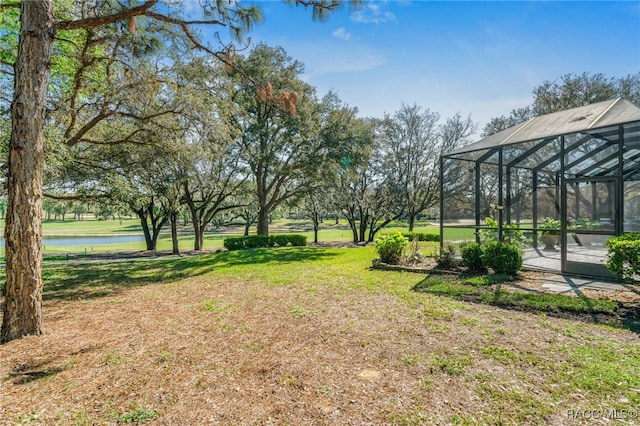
column 574, row 173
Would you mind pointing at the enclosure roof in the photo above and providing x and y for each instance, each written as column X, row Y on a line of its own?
column 581, row 119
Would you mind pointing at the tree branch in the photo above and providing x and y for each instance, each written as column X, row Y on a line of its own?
column 184, row 25
column 105, row 20
column 92, row 123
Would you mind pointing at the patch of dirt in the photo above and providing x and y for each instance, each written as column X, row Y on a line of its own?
column 222, row 350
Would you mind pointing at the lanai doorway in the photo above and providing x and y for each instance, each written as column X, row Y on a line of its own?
column 590, row 214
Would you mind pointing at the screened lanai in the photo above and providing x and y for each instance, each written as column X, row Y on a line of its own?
column 568, row 180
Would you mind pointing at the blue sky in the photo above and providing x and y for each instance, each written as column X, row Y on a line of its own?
column 478, row 58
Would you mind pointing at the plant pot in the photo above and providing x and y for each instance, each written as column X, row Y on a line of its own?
column 550, row 242
column 585, row 239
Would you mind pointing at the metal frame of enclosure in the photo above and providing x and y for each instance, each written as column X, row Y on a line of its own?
column 574, row 173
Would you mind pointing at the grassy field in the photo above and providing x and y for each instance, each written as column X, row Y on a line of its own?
column 311, row 336
column 330, row 232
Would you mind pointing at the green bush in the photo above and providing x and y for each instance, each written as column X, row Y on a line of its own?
column 447, row 257
column 503, row 258
column 510, row 232
column 624, row 255
column 255, row 241
column 297, row 240
column 421, row 236
column 472, row 256
column 233, row 243
column 280, row 239
column 390, row 246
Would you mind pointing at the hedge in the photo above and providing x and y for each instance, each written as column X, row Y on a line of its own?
column 422, row 236
column 624, row 255
column 255, row 241
column 472, row 256
column 502, row 257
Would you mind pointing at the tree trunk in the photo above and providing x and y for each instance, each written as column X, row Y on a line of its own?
column 199, row 238
column 148, row 239
column 156, row 235
column 372, row 232
column 351, row 220
column 23, row 226
column 197, row 243
column 263, row 222
column 412, row 221
column 174, row 233
column 363, row 229
column 354, row 233
column 195, row 219
column 247, row 226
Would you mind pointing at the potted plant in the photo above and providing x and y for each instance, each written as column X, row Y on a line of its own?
column 510, row 232
column 582, row 225
column 550, row 234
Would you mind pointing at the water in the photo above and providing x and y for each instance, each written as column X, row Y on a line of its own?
column 93, row 240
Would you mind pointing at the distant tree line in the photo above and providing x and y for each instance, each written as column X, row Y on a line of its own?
column 164, row 135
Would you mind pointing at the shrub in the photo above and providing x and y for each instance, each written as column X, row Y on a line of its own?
column 502, row 257
column 510, row 232
column 490, row 233
column 447, row 257
column 297, row 240
column 280, row 239
column 414, row 255
column 233, row 243
column 472, row 256
column 255, row 241
column 390, row 246
column 421, row 236
column 624, row 255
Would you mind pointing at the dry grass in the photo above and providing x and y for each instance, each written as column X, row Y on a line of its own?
column 316, row 341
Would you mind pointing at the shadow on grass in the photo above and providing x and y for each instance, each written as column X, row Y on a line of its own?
column 132, row 228
column 272, row 255
column 92, row 280
column 491, row 290
column 24, row 377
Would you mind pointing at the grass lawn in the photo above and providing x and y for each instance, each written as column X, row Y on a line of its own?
column 91, row 227
column 329, row 232
column 307, row 336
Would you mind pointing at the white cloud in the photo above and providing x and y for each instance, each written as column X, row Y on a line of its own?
column 373, row 13
column 342, row 33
